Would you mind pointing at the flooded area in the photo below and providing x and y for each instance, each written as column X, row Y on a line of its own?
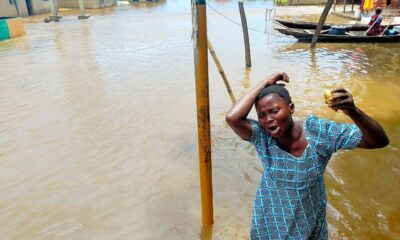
column 99, row 134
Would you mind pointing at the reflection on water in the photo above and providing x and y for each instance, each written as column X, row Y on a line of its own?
column 206, row 232
column 98, row 128
column 246, row 79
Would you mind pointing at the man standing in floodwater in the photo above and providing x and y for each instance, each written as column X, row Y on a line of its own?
column 291, row 202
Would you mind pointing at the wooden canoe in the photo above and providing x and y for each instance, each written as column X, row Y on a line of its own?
column 304, row 35
column 313, row 25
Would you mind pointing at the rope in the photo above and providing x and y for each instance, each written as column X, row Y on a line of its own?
column 239, row 24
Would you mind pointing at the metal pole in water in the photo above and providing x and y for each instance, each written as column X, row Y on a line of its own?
column 274, row 14
column 82, row 10
column 17, row 8
column 55, row 4
column 82, row 7
column 245, row 34
column 54, row 11
column 199, row 35
column 266, row 19
column 53, row 8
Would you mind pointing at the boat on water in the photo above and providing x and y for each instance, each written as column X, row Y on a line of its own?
column 313, row 25
column 306, row 35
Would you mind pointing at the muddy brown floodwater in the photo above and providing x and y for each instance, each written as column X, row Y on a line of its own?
column 98, row 134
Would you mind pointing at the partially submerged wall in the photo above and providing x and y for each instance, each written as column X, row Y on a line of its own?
column 11, row 28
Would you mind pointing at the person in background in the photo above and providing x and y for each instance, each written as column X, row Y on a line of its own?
column 291, row 202
column 375, row 23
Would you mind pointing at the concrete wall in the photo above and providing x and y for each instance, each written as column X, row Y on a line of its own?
column 8, row 10
column 40, row 6
column 16, row 27
column 88, row 3
column 11, row 28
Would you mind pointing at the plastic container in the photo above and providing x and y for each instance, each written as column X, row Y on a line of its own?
column 396, row 29
column 337, row 30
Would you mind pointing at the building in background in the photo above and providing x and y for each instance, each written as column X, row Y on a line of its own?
column 393, row 4
column 35, row 7
column 26, row 7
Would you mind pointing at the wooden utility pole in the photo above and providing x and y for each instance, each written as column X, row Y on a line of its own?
column 245, row 34
column 203, row 108
column 321, row 22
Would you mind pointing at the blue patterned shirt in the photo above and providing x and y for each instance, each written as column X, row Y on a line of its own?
column 291, row 201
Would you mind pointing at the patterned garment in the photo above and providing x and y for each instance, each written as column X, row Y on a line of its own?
column 377, row 28
column 291, row 201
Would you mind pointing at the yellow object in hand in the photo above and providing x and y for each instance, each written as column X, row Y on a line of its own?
column 328, row 96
